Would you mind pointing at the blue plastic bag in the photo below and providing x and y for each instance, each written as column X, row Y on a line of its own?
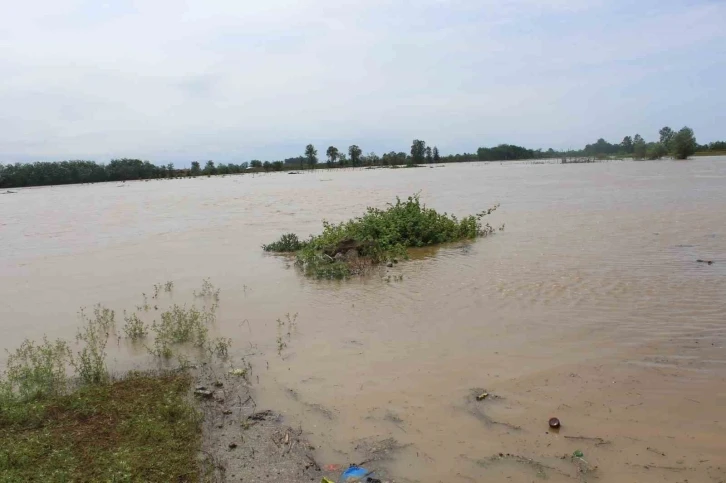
column 354, row 474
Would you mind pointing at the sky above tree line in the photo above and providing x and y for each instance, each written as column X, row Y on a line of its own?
column 234, row 80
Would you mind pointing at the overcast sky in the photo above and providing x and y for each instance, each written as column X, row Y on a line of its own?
column 233, row 80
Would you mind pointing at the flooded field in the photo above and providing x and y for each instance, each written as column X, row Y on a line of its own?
column 590, row 307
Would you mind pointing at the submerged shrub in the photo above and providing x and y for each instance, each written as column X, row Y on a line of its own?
column 288, row 242
column 181, row 325
column 36, row 370
column 380, row 234
column 90, row 363
column 135, row 328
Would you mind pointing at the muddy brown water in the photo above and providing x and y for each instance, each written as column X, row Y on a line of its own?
column 590, row 306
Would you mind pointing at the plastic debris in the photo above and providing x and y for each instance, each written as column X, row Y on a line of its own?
column 238, row 372
column 578, row 454
column 354, row 474
column 482, row 396
column 325, row 480
column 332, row 467
column 554, row 423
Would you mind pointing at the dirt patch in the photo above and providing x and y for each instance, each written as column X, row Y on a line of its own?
column 242, row 442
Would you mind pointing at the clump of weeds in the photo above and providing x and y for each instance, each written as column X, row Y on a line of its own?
column 144, row 307
column 180, row 325
column 220, row 347
column 135, row 328
column 280, row 340
column 35, row 371
column 90, row 361
column 208, row 291
column 291, row 323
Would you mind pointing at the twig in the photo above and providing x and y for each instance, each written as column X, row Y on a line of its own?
column 598, row 441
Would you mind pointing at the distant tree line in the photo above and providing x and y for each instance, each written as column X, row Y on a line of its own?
column 678, row 144
column 69, row 172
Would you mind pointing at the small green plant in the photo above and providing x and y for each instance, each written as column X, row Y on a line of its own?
column 291, row 324
column 280, row 341
column 208, row 291
column 135, row 328
column 168, row 286
column 144, row 307
column 90, row 363
column 180, row 325
column 35, row 371
column 220, row 347
column 281, row 344
column 161, row 348
column 288, row 242
column 103, row 318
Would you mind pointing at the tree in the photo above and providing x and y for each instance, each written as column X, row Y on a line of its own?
column 627, row 144
column 267, row 165
column 195, row 168
column 332, row 154
column 666, row 137
column 209, row 168
column 655, row 151
column 256, row 163
column 429, row 155
column 373, row 159
column 639, row 147
column 437, row 158
column 418, row 151
column 343, row 160
column 170, row 170
column 355, row 152
column 311, row 155
column 683, row 143
column 503, row 152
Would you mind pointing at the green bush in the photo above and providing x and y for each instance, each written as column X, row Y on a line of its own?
column 379, row 235
column 288, row 242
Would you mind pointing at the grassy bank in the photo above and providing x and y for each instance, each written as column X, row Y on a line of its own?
column 140, row 428
column 63, row 417
column 379, row 236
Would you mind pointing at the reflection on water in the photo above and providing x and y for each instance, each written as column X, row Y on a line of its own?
column 589, row 307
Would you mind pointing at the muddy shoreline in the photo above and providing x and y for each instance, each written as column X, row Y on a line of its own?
column 242, row 441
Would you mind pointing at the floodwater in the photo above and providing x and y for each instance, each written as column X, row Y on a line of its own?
column 590, row 306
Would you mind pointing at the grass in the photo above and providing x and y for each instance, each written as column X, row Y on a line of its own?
column 140, row 428
column 90, row 427
column 378, row 236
